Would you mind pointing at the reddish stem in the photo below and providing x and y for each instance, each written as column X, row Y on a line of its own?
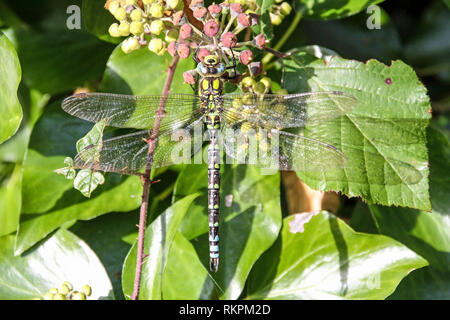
column 152, row 142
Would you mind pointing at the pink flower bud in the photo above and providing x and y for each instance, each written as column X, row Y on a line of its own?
column 255, row 68
column 254, row 19
column 200, row 12
column 229, row 40
column 185, row 31
column 211, row 28
column 176, row 17
column 259, row 41
column 202, row 53
column 244, row 20
column 195, row 3
column 183, row 50
column 246, row 57
column 172, row 48
column 215, row 10
column 235, row 9
column 188, row 77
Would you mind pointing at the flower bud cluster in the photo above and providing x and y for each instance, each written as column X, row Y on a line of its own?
column 152, row 23
column 66, row 292
column 278, row 11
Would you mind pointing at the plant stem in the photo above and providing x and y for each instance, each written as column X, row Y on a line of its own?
column 152, row 142
column 285, row 37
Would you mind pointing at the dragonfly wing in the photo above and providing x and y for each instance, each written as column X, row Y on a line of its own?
column 127, row 111
column 274, row 149
column 286, row 111
column 127, row 154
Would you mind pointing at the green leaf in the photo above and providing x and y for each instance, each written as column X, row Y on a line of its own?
column 10, row 197
column 94, row 136
column 265, row 26
column 59, row 60
column 97, row 19
column 383, row 138
column 427, row 233
column 116, row 195
column 62, row 257
column 10, row 74
column 87, row 181
column 158, row 241
column 424, row 284
column 41, row 186
column 332, row 9
column 108, row 236
column 250, row 220
column 194, row 282
column 330, row 261
column 142, row 72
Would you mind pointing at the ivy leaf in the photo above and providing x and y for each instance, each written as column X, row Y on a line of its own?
column 332, row 9
column 10, row 196
column 10, row 74
column 141, row 72
column 93, row 137
column 250, row 219
column 87, row 181
column 265, row 26
column 61, row 257
column 158, row 241
column 330, row 261
column 115, row 195
column 383, row 138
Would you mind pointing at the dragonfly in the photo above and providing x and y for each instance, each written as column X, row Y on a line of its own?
column 232, row 122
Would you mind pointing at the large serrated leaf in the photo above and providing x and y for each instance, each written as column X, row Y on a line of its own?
column 330, row 261
column 383, row 138
column 62, row 257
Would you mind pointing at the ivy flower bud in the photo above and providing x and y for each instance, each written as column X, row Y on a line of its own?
column 172, row 48
column 188, row 77
column 147, row 1
column 200, row 12
column 246, row 57
column 130, row 2
column 244, row 20
column 133, row 43
column 211, row 28
column 156, row 45
column 235, row 9
column 136, row 15
column 183, row 50
column 59, row 296
column 171, row 35
column 156, row 10
column 124, row 29
column 255, row 68
column 113, row 6
column 248, row 82
column 259, row 41
column 86, row 289
column 78, row 296
column 172, row 4
column 267, row 82
column 259, row 87
column 156, row 27
column 177, row 17
column 114, row 30
column 202, row 53
column 285, row 8
column 275, row 19
column 136, row 27
column 185, row 31
column 229, row 39
column 120, row 14
column 215, row 10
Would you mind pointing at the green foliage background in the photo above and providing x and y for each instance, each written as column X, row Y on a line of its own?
column 394, row 243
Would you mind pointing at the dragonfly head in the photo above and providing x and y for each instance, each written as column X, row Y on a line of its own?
column 211, row 67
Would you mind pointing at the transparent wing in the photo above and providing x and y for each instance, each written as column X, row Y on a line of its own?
column 286, row 111
column 126, row 111
column 128, row 154
column 279, row 150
